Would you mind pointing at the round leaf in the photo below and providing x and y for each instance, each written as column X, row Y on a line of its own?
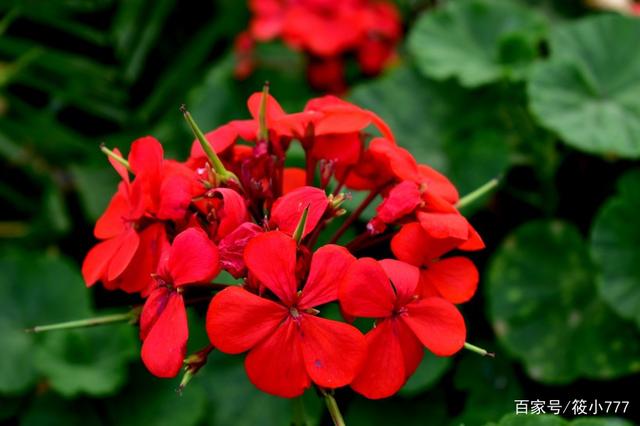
column 542, row 302
column 614, row 244
column 476, row 41
column 589, row 91
column 92, row 361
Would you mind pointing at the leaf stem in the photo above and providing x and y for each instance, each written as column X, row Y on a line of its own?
column 333, row 408
column 478, row 350
column 130, row 316
column 477, row 193
column 216, row 164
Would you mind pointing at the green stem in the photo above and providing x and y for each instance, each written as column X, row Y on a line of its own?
column 130, row 316
column 333, row 408
column 214, row 160
column 478, row 193
column 478, row 350
column 115, row 156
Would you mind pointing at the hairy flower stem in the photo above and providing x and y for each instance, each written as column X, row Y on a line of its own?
column 115, row 156
column 131, row 317
column 333, row 408
column 478, row 193
column 354, row 216
column 478, row 350
column 214, row 160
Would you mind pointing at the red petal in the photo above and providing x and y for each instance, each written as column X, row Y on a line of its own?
column 175, row 197
column 404, row 277
column 438, row 184
column 152, row 309
column 119, row 167
column 164, row 348
column 412, row 348
column 231, row 248
column 328, row 265
column 365, row 290
column 276, row 365
column 146, row 157
column 271, row 258
column 383, row 372
column 232, row 213
column 219, row 139
column 129, row 242
column 274, row 110
column 112, row 221
column 137, row 277
column 333, row 351
column 344, row 148
column 238, row 320
column 455, row 278
column 94, row 267
column 444, row 225
column 474, row 242
column 192, row 258
column 401, row 201
column 401, row 162
column 293, row 178
column 438, row 325
column 409, row 244
column 288, row 209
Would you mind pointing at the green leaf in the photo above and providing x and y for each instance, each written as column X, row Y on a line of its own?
column 491, row 387
column 541, row 286
column 235, row 400
column 96, row 184
column 9, row 406
column 415, row 109
column 589, row 91
column 476, row 41
column 148, row 400
column 51, row 410
column 36, row 290
column 614, row 245
column 430, row 370
column 92, row 361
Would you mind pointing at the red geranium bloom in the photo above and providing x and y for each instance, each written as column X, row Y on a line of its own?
column 192, row 259
column 289, row 347
column 161, row 191
column 287, row 210
column 386, row 290
column 453, row 278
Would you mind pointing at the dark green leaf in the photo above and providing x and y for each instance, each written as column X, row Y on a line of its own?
column 589, row 91
column 614, row 244
column 476, row 41
column 148, row 400
column 541, row 286
column 50, row 410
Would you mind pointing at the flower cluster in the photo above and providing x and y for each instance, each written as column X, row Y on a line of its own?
column 235, row 205
column 327, row 32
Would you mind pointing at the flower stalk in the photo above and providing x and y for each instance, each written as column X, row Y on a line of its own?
column 478, row 350
column 333, row 408
column 478, row 193
column 131, row 317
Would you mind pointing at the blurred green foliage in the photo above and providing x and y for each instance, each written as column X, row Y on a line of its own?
column 543, row 93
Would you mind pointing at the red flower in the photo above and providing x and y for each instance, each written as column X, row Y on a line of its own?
column 192, row 259
column 386, row 290
column 289, row 347
column 159, row 192
column 453, row 278
column 287, row 210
